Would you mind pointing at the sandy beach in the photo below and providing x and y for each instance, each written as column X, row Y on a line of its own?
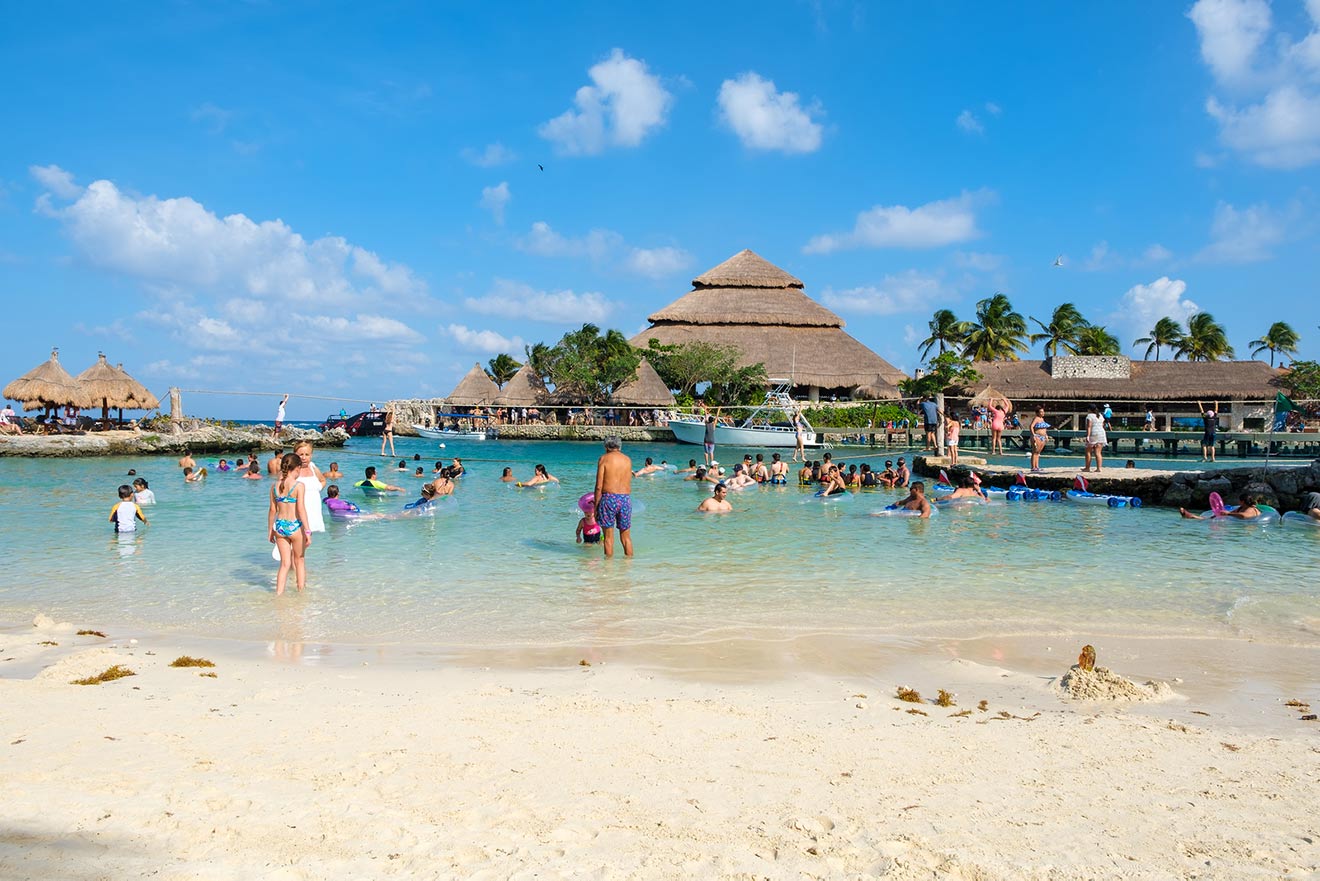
column 310, row 768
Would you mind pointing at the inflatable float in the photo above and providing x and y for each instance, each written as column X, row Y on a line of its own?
column 1080, row 494
column 895, row 511
column 1219, row 513
column 1299, row 518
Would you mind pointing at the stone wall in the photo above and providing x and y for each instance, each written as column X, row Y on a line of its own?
column 192, row 438
column 1090, row 367
column 414, row 411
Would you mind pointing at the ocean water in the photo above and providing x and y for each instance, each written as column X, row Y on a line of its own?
column 496, row 567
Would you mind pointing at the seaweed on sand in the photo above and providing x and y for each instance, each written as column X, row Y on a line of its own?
column 109, row 674
column 187, row 661
column 91, row 633
column 911, row 695
column 944, row 699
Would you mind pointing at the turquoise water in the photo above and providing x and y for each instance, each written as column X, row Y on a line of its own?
column 497, row 567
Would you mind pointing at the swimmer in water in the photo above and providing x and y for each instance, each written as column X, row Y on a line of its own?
column 916, row 500
column 506, row 476
column 334, row 473
column 588, row 530
column 223, row 465
column 1246, row 510
column 253, row 472
column 718, row 503
column 142, row 494
column 778, row 470
column 419, row 473
column 649, row 468
column 335, row 505
column 539, row 476
column 125, row 513
column 966, row 490
column 691, row 469
column 834, row 484
column 403, row 466
column 191, row 476
column 740, row 480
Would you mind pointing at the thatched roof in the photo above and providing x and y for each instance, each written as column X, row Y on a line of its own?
column 1149, row 381
column 111, row 387
column 524, row 389
column 645, row 389
column 474, row 389
column 746, row 269
column 821, row 356
column 48, row 384
column 750, row 303
column 145, row 400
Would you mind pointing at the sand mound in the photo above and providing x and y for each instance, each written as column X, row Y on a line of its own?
column 1103, row 684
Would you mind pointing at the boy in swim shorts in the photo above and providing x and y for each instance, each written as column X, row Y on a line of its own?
column 125, row 514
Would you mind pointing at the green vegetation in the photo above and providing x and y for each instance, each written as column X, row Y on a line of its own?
column 1302, row 381
column 1205, row 340
column 109, row 674
column 858, row 415
column 501, row 368
column 997, row 334
column 1095, row 340
column 586, row 365
column 1280, row 339
column 946, row 370
column 684, row 366
column 1066, row 325
column 946, row 331
column 1166, row 334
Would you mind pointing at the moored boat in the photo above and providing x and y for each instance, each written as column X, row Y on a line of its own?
column 760, row 429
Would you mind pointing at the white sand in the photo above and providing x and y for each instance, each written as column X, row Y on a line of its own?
column 296, row 771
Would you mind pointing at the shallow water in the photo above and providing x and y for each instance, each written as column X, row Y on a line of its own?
column 497, row 566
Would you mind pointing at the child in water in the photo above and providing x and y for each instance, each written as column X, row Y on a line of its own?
column 125, row 514
column 588, row 530
column 335, row 505
column 286, row 524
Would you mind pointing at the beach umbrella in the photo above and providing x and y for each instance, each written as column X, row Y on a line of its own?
column 48, row 385
column 141, row 396
column 107, row 387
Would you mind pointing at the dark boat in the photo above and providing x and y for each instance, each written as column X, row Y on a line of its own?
column 369, row 423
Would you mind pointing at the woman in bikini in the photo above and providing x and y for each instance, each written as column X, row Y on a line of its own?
column 286, row 521
column 387, row 432
column 1039, row 437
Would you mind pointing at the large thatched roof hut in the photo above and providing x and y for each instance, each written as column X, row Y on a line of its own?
column 645, row 389
column 750, row 303
column 142, row 395
column 475, row 389
column 524, row 389
column 1171, row 388
column 49, row 385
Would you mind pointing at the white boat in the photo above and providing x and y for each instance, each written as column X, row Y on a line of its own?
column 451, row 434
column 757, row 430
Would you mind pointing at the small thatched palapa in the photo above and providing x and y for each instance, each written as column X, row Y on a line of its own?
column 524, row 389
column 754, row 305
column 475, row 389
column 645, row 389
column 111, row 387
column 48, row 385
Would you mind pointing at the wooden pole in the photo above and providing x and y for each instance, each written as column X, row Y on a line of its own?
column 176, row 404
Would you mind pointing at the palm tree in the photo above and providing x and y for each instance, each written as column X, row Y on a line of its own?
column 1065, row 325
column 1095, row 340
column 997, row 334
column 1279, row 338
column 1205, row 340
column 945, row 330
column 501, row 368
column 1166, row 333
column 541, row 357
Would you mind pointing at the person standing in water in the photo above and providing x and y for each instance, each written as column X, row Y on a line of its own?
column 286, row 522
column 313, row 482
column 613, row 497
column 387, row 433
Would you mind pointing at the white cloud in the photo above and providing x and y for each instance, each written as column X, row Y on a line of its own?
column 57, row 180
column 255, row 291
column 766, row 119
column 511, row 299
column 911, row 336
column 910, row 291
column 495, row 199
column 606, row 249
column 1103, row 258
column 968, row 122
column 213, row 117
column 978, row 261
column 1273, row 115
column 992, row 108
column 1144, row 304
column 490, row 156
column 1282, row 131
column 657, row 262
column 624, row 105
column 932, row 225
column 1156, row 253
column 1245, row 235
column 487, row 342
column 1231, row 31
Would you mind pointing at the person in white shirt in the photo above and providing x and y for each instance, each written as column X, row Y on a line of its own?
column 142, row 494
column 1095, row 438
column 9, row 421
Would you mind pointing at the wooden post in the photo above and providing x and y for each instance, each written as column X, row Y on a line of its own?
column 939, row 424
column 176, row 404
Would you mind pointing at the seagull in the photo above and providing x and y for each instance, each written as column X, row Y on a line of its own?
column 540, row 166
column 1058, row 261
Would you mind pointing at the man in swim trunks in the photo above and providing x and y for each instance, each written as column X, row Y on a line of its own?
column 718, row 502
column 916, row 500
column 613, row 497
column 372, row 483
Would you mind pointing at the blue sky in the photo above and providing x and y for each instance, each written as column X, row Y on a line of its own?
column 344, row 199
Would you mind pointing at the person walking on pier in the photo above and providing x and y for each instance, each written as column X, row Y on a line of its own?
column 1210, row 421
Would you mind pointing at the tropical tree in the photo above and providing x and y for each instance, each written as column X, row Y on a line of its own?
column 1095, row 340
column 1302, row 380
column 1166, row 334
column 589, row 366
column 1280, row 338
column 539, row 356
column 1205, row 340
column 501, row 368
column 945, row 371
column 1066, row 324
column 684, row 366
column 997, row 334
column 945, row 331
